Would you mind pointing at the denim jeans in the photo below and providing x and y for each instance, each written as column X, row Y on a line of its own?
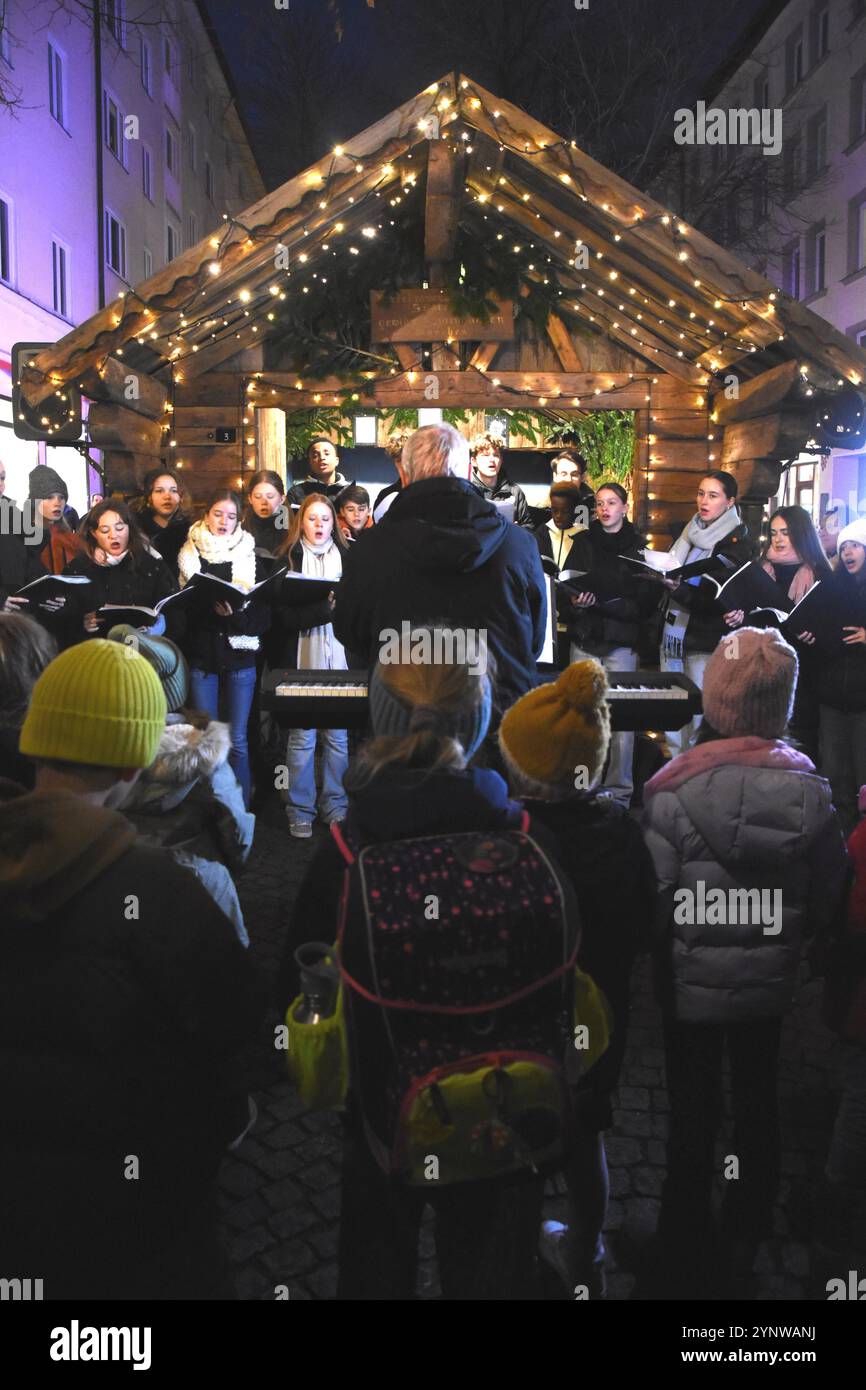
column 618, row 780
column 233, row 691
column 843, row 759
column 695, row 663
column 302, row 773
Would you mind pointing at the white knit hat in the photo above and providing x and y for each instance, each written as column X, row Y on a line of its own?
column 854, row 531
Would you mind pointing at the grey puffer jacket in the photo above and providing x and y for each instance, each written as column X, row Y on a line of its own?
column 742, row 813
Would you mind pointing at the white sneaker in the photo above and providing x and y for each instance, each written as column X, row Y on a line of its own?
column 301, row 829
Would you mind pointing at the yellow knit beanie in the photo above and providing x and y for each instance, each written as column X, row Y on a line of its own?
column 97, row 703
column 560, row 728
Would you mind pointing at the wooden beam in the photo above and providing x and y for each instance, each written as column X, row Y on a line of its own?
column 780, row 436
column 443, row 198
column 469, row 390
column 563, row 344
column 759, row 395
column 115, row 427
column 272, row 216
column 126, row 386
column 270, row 437
column 484, row 355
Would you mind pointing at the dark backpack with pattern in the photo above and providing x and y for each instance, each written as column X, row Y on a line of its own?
column 457, row 963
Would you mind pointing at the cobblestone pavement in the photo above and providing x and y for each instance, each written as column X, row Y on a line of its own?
column 280, row 1192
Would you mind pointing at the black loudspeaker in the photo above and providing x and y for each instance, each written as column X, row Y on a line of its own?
column 57, row 419
column 841, row 422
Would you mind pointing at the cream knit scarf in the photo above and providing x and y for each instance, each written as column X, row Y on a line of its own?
column 237, row 550
column 696, row 540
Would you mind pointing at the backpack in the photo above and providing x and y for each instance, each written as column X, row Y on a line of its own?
column 457, row 964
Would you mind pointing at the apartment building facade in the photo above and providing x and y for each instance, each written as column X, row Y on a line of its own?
column 121, row 144
column 799, row 215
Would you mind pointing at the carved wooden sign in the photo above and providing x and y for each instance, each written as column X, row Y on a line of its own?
column 425, row 316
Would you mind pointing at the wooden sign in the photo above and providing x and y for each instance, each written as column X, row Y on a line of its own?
column 425, row 316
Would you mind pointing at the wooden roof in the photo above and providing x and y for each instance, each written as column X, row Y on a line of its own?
column 666, row 293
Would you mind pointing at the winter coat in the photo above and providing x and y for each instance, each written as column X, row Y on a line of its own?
column 593, row 840
column 845, row 991
column 841, row 675
column 166, row 540
column 19, row 562
column 385, row 499
column 288, row 620
column 443, row 554
column 144, row 583
column 601, row 628
column 268, row 532
column 706, row 624
column 555, row 544
column 125, row 1001
column 298, row 491
column 743, row 813
column 189, row 801
column 400, row 804
column 203, row 635
column 504, row 491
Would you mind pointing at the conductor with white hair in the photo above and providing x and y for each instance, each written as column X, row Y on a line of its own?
column 443, row 555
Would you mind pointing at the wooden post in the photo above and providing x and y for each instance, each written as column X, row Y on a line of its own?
column 270, row 437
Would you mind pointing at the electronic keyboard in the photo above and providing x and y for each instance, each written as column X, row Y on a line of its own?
column 639, row 700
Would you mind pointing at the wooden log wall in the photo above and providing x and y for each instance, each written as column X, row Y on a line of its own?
column 675, row 444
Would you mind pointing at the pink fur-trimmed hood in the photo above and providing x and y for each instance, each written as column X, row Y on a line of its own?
column 723, row 752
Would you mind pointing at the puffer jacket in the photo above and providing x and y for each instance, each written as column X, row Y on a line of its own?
column 742, row 813
column 189, row 802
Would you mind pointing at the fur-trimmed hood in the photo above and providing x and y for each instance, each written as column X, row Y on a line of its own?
column 186, row 753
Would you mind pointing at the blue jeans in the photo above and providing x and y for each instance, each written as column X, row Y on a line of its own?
column 302, row 773
column 233, row 690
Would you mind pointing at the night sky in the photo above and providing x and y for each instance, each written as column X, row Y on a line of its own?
column 610, row 76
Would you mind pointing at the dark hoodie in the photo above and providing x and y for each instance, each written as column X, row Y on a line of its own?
column 124, row 1000
column 442, row 554
column 503, row 490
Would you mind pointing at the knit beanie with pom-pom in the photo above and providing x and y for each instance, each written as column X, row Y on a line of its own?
column 557, row 735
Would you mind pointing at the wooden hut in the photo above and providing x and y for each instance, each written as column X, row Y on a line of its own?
column 456, row 254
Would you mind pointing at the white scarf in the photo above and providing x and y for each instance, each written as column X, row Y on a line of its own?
column 238, row 550
column 318, row 649
column 696, row 541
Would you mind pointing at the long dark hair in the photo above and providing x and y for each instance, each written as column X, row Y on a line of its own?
column 803, row 537
column 728, row 481
column 25, row 650
column 142, row 503
column 138, row 546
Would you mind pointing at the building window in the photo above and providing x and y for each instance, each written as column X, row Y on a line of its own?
column 792, row 174
column 146, row 70
column 731, row 219
column 860, row 338
column 115, row 244
column 148, row 263
column 56, row 85
column 760, row 196
column 857, row 233
column 208, row 106
column 172, row 241
column 5, row 241
column 819, row 27
column 146, row 173
column 191, row 230
column 5, row 46
column 191, row 154
column 169, row 61
column 761, row 92
column 113, row 123
column 208, row 178
column 817, row 142
column 795, row 65
column 60, row 278
column 170, row 151
column 190, row 67
column 791, row 269
column 816, row 259
column 112, row 13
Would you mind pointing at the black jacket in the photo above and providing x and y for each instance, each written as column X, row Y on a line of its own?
column 125, row 999
column 602, row 627
column 267, row 531
column 443, row 554
column 585, row 498
column 281, row 642
column 203, row 636
column 554, row 545
column 19, row 562
column 298, row 491
column 706, row 625
column 167, row 540
column 144, row 583
column 841, row 678
column 504, row 491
